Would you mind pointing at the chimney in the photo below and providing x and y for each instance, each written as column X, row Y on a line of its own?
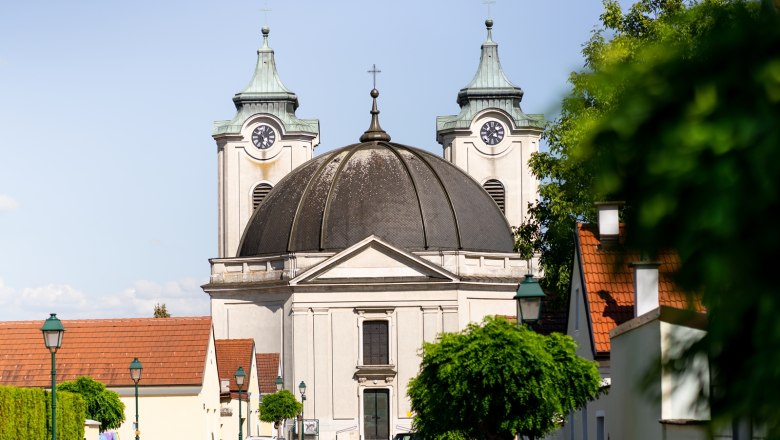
column 609, row 221
column 224, row 385
column 645, row 287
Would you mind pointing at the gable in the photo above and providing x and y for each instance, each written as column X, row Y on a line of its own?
column 373, row 260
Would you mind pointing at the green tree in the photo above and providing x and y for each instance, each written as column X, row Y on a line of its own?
column 693, row 146
column 161, row 311
column 495, row 380
column 102, row 405
column 278, row 407
column 567, row 181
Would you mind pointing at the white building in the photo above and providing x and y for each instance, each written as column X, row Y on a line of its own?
column 627, row 314
column 345, row 263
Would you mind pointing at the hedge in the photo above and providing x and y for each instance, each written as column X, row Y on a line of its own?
column 26, row 414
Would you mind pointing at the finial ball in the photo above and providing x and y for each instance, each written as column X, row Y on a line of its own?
column 374, row 93
column 489, row 23
column 266, row 30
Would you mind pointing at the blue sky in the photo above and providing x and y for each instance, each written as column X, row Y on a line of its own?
column 108, row 169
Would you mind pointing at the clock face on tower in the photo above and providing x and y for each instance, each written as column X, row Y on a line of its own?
column 263, row 136
column 492, row 132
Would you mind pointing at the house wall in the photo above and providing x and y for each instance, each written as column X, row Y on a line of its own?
column 190, row 412
column 636, row 411
column 584, row 424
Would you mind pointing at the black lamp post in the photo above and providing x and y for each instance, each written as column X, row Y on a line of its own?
column 302, row 389
column 135, row 374
column 240, row 376
column 52, row 336
column 529, row 300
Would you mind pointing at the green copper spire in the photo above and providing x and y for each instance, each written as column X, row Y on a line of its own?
column 490, row 88
column 490, row 80
column 265, row 93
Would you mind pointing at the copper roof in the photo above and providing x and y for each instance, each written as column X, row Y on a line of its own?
column 172, row 351
column 231, row 354
column 267, row 371
column 609, row 284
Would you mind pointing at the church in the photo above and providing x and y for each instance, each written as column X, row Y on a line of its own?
column 345, row 263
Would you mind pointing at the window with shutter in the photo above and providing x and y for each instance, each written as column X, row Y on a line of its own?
column 259, row 193
column 496, row 191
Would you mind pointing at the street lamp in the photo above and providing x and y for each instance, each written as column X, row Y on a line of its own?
column 279, row 383
column 135, row 374
column 302, row 389
column 240, row 376
column 52, row 336
column 529, row 300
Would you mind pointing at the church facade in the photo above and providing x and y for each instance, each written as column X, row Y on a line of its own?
column 347, row 262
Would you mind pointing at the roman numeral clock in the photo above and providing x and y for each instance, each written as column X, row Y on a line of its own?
column 263, row 136
column 492, row 132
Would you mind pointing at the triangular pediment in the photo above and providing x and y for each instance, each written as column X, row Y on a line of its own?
column 373, row 260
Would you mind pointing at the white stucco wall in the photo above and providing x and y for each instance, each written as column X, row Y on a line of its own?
column 190, row 412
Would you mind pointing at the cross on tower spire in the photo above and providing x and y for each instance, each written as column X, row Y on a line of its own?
column 265, row 10
column 488, row 3
column 374, row 71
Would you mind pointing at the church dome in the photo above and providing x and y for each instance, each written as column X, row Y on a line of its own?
column 404, row 195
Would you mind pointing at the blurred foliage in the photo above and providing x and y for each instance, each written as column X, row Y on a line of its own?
column 102, row 404
column 692, row 143
column 494, row 380
column 567, row 181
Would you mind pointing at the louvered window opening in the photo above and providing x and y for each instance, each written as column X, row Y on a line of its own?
column 259, row 193
column 375, row 346
column 496, row 191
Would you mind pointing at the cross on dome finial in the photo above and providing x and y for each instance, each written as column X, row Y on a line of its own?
column 374, row 132
column 374, row 71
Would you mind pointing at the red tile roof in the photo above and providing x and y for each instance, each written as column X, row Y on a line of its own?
column 231, row 354
column 267, row 370
column 172, row 351
column 609, row 284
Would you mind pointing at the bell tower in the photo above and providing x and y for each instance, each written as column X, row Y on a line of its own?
column 491, row 138
column 258, row 147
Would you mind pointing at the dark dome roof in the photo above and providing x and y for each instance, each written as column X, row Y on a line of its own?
column 406, row 196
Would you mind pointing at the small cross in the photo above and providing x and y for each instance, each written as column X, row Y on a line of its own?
column 265, row 12
column 374, row 71
column 488, row 3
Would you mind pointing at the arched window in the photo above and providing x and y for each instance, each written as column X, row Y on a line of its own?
column 496, row 191
column 259, row 193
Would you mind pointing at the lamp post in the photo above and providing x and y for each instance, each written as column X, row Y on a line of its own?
column 240, row 376
column 302, row 389
column 135, row 374
column 52, row 336
column 279, row 383
column 529, row 300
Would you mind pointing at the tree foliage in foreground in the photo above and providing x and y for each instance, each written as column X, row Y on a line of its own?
column 102, row 405
column 567, row 182
column 279, row 406
column 495, row 380
column 693, row 146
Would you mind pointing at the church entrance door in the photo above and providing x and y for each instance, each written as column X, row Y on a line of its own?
column 376, row 414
